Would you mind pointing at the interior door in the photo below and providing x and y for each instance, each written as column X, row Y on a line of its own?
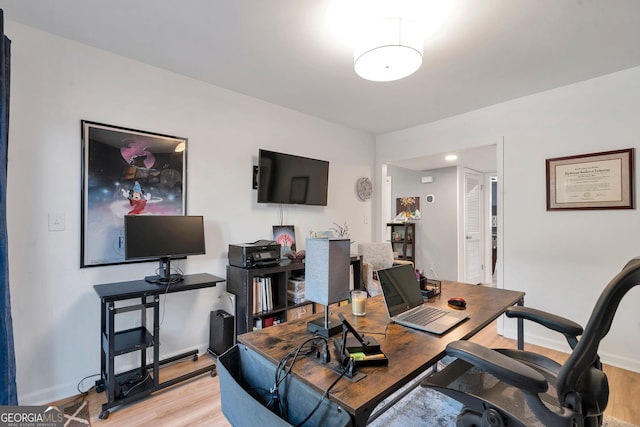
column 473, row 217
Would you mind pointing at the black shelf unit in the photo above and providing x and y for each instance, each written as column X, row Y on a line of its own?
column 403, row 240
column 128, row 386
column 240, row 283
column 130, row 340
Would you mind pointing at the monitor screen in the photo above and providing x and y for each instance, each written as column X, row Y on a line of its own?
column 288, row 179
column 163, row 236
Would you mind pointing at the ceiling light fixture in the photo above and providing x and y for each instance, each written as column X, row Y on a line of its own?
column 390, row 50
column 451, row 157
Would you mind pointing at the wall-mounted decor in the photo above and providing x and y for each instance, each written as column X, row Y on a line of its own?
column 364, row 188
column 408, row 208
column 285, row 235
column 591, row 181
column 321, row 234
column 126, row 172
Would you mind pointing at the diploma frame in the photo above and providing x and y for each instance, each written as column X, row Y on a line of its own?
column 591, row 181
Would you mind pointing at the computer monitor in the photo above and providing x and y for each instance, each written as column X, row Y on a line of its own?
column 163, row 237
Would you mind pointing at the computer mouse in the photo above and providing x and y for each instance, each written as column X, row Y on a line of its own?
column 457, row 302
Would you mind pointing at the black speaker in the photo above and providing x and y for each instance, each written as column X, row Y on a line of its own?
column 221, row 332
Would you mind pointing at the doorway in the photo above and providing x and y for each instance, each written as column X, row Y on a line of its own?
column 441, row 244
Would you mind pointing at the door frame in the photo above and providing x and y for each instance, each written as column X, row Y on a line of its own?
column 488, row 277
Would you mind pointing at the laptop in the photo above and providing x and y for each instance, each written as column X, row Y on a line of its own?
column 406, row 306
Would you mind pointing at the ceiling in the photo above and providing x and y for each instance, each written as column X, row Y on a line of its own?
column 286, row 52
column 481, row 159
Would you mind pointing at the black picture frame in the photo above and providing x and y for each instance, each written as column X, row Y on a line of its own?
column 285, row 235
column 126, row 172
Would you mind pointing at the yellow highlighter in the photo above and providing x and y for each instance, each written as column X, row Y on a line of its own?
column 358, row 357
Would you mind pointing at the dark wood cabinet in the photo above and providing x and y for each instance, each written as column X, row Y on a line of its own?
column 403, row 240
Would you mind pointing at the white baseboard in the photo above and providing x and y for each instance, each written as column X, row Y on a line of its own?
column 562, row 345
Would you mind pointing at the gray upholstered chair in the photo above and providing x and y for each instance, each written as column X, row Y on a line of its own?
column 376, row 256
column 508, row 387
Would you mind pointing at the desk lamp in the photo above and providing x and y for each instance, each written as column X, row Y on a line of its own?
column 326, row 279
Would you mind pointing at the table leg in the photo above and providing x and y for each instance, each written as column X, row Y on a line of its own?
column 521, row 328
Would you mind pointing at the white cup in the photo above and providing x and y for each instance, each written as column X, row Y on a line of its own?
column 358, row 303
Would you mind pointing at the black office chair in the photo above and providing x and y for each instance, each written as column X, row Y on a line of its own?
column 508, row 387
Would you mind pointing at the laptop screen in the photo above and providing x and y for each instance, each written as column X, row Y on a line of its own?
column 400, row 288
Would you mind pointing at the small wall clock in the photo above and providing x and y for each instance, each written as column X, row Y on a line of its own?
column 364, row 188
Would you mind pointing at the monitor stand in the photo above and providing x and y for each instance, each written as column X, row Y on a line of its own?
column 164, row 276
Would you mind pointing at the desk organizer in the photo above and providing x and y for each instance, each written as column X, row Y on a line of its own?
column 430, row 287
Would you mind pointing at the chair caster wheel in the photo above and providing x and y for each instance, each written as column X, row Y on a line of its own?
column 195, row 358
column 104, row 415
column 468, row 418
column 492, row 418
column 212, row 373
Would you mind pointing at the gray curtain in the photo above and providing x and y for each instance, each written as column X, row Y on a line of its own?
column 8, row 390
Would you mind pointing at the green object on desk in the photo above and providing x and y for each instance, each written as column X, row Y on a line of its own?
column 361, row 356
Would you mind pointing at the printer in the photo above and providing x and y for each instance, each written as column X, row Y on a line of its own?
column 261, row 253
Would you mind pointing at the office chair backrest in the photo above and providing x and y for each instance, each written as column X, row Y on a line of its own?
column 581, row 384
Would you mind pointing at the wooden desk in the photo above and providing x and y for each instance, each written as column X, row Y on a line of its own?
column 410, row 352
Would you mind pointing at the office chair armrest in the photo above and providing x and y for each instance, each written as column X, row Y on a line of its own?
column 500, row 366
column 548, row 320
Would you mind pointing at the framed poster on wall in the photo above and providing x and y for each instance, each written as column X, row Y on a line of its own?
column 285, row 235
column 408, row 208
column 126, row 172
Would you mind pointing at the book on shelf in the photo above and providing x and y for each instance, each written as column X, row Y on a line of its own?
column 267, row 321
column 262, row 294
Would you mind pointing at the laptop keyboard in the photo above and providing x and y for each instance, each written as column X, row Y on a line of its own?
column 424, row 316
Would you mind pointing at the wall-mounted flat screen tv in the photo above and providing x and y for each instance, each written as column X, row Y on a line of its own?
column 288, row 179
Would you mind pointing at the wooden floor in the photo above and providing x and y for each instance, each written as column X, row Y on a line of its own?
column 197, row 402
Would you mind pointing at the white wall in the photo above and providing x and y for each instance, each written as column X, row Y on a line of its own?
column 562, row 260
column 55, row 84
column 436, row 247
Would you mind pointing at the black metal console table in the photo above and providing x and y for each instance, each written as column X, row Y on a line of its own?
column 125, row 387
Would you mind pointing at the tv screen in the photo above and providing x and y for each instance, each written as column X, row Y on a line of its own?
column 163, row 237
column 288, row 179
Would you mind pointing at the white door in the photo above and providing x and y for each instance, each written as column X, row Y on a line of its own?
column 473, row 213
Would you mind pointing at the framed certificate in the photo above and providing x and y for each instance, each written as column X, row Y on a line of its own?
column 591, row 181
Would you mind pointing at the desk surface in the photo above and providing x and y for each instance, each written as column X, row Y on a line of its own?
column 140, row 288
column 410, row 352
